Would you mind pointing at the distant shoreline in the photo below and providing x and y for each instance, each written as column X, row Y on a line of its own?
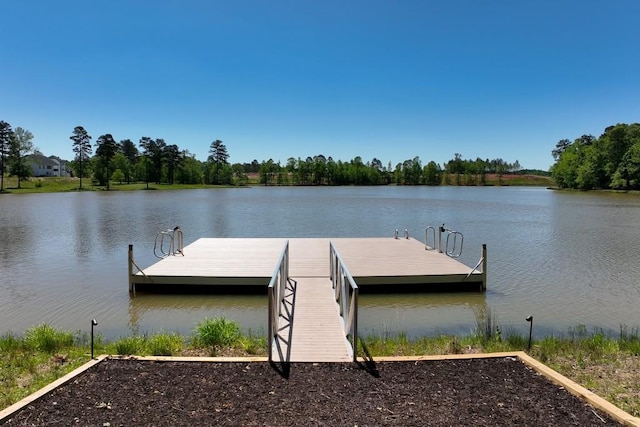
column 60, row 185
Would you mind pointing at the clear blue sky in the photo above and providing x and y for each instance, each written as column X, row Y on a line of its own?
column 276, row 79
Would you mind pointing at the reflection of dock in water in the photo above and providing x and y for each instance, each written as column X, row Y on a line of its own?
column 183, row 312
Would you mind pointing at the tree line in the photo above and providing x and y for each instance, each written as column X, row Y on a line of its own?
column 611, row 161
column 152, row 160
column 321, row 170
column 155, row 161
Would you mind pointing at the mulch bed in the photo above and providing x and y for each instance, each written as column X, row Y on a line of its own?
column 487, row 392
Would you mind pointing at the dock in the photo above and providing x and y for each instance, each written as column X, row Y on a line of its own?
column 251, row 261
column 317, row 280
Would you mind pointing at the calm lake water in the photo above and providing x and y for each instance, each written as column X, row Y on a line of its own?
column 568, row 259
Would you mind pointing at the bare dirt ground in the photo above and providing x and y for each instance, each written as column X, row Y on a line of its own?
column 495, row 392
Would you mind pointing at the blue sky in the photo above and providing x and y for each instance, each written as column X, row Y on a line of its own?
column 277, row 79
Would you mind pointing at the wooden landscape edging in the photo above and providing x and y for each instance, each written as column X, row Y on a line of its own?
column 7, row 412
column 569, row 385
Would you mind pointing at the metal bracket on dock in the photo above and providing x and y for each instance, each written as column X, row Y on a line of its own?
column 406, row 234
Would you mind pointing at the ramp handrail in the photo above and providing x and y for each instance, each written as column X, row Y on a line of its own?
column 276, row 291
column 175, row 238
column 346, row 294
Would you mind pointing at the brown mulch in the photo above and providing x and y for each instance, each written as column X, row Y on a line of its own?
column 484, row 392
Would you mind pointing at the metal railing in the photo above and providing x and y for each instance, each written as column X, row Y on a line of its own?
column 453, row 241
column 175, row 242
column 276, row 291
column 346, row 294
column 405, row 235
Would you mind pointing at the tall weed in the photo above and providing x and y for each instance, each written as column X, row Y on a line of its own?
column 218, row 332
column 47, row 339
column 130, row 345
column 629, row 340
column 487, row 328
column 165, row 344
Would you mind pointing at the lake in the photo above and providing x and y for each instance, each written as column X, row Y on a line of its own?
column 565, row 258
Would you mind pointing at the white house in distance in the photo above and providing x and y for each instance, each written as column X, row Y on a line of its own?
column 42, row 165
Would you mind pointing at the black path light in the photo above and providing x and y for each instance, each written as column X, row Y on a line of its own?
column 94, row 322
column 530, row 320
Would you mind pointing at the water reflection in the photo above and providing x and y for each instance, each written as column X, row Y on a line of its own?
column 420, row 314
column 151, row 312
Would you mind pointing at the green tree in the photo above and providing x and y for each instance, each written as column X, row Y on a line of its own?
column 455, row 166
column 269, row 172
column 319, row 169
column 172, row 157
column 106, row 149
column 190, row 170
column 565, row 170
column 158, row 158
column 21, row 146
column 117, row 176
column 6, row 137
column 238, row 174
column 130, row 152
column 121, row 163
column 219, row 156
column 82, row 147
column 432, row 173
column 561, row 147
column 148, row 147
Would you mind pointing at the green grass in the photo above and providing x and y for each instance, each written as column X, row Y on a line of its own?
column 60, row 184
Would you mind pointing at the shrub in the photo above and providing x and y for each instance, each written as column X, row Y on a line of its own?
column 218, row 332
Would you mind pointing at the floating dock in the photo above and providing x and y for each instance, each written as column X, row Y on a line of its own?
column 251, row 261
column 313, row 283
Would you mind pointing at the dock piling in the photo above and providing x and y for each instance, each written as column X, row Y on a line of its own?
column 484, row 267
column 131, row 284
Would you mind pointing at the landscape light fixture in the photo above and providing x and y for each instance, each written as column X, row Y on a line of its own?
column 530, row 320
column 94, row 322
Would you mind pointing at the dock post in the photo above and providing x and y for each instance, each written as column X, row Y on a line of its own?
column 130, row 268
column 484, row 267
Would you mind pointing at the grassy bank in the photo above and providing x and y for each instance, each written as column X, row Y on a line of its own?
column 608, row 365
column 60, row 185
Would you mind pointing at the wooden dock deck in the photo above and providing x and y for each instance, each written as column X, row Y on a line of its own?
column 315, row 328
column 247, row 261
